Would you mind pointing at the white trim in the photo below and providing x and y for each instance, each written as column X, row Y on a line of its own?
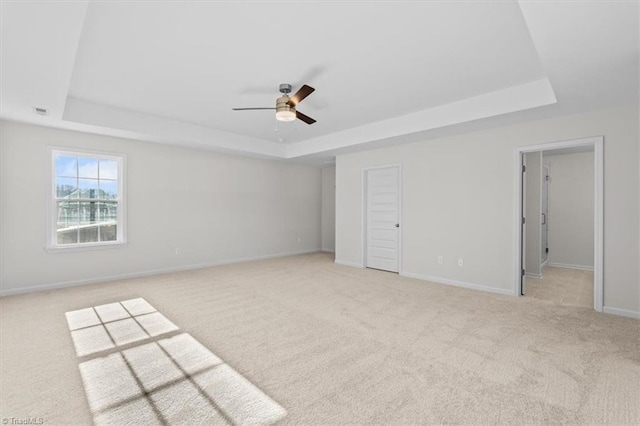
column 548, row 146
column 108, row 278
column 326, row 250
column 598, row 143
column 621, row 312
column 546, row 219
column 522, row 230
column 347, row 263
column 569, row 266
column 455, row 283
column 598, row 222
column 74, row 248
column 363, row 211
column 532, row 275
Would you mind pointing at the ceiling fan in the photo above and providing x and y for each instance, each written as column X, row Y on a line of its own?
column 286, row 105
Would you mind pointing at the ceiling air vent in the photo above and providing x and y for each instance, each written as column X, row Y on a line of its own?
column 40, row 111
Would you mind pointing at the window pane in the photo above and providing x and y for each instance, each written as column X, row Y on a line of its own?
column 67, row 222
column 88, row 167
column 66, row 187
column 89, row 213
column 66, row 166
column 109, row 232
column 68, row 236
column 89, row 233
column 88, row 188
column 67, row 214
column 108, row 169
column 108, row 221
column 108, row 212
column 108, row 189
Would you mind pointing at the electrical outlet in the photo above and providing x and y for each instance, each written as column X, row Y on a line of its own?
column 460, row 262
column 440, row 260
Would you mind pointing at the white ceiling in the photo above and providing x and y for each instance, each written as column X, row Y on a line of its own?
column 384, row 72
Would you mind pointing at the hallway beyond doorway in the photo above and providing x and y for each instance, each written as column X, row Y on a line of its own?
column 564, row 286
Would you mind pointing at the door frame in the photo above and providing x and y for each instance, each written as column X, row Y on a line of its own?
column 522, row 229
column 546, row 183
column 598, row 223
column 363, row 211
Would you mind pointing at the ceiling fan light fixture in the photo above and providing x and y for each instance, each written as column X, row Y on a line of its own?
column 286, row 115
column 284, row 112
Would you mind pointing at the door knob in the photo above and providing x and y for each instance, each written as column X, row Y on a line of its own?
column 397, row 225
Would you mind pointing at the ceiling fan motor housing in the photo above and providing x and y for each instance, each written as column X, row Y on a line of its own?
column 285, row 112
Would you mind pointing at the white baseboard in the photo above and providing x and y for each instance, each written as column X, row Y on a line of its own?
column 621, row 312
column 569, row 266
column 463, row 284
column 326, row 250
column 345, row 263
column 530, row 275
column 97, row 280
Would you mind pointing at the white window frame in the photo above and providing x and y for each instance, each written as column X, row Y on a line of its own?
column 52, row 205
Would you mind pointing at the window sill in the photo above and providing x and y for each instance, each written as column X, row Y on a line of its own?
column 74, row 248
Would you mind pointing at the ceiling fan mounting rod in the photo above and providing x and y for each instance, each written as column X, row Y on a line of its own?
column 285, row 88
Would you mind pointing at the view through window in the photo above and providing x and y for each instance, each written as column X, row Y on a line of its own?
column 87, row 199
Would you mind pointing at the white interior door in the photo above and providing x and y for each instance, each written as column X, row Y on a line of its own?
column 383, row 218
column 544, row 232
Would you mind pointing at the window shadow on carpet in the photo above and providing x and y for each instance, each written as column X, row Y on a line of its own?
column 137, row 367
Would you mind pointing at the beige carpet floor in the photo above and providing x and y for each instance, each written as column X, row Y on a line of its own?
column 334, row 345
column 564, row 286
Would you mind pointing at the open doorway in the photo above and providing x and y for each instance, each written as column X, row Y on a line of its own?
column 560, row 206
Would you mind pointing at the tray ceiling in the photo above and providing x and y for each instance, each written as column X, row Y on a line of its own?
column 171, row 72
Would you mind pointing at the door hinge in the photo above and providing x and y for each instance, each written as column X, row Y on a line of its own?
column 524, row 168
column 523, row 272
column 546, row 177
column 523, row 220
column 546, row 250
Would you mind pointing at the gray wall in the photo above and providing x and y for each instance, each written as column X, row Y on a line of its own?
column 329, row 209
column 533, row 210
column 214, row 208
column 571, row 210
column 459, row 199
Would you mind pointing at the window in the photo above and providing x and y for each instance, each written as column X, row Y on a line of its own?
column 87, row 200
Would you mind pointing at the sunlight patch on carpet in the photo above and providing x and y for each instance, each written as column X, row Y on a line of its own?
column 111, row 312
column 137, row 367
column 156, row 324
column 82, row 318
column 91, row 340
column 125, row 331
